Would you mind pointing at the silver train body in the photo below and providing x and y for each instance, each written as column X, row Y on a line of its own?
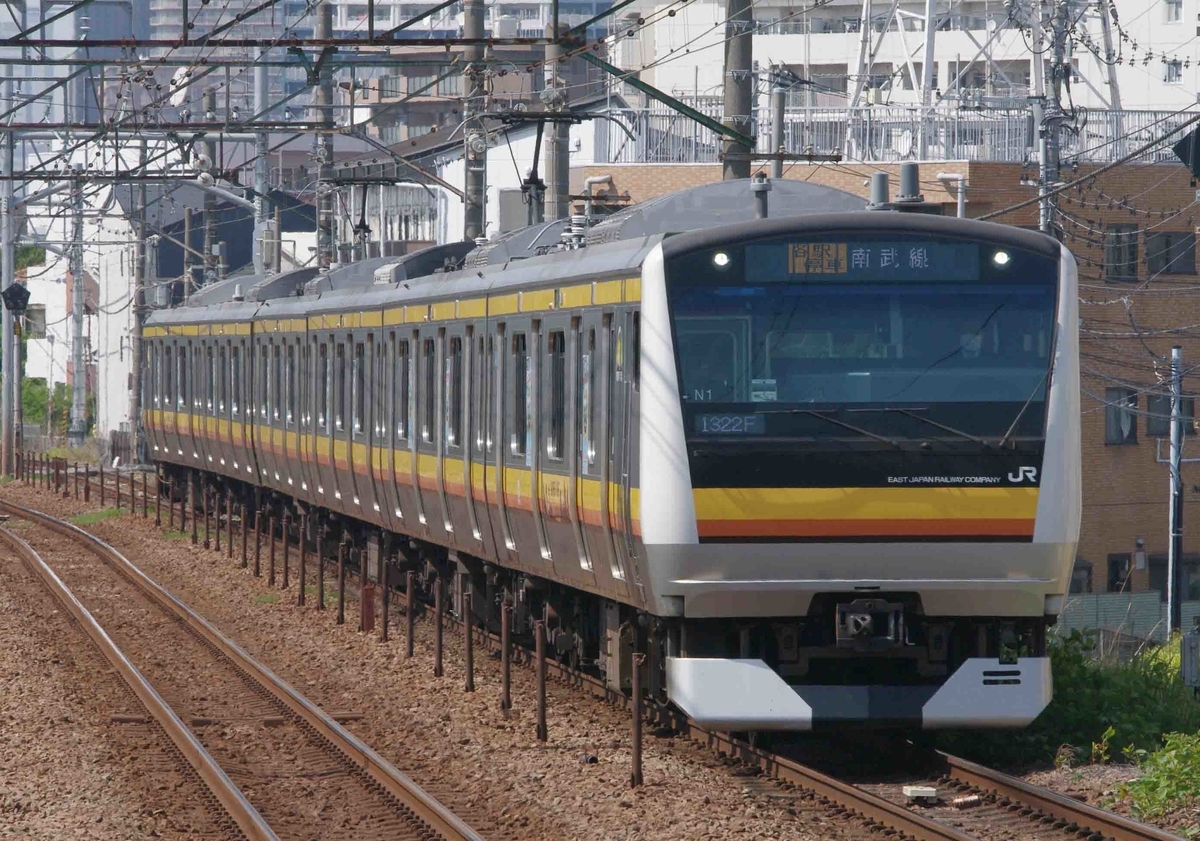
column 813, row 492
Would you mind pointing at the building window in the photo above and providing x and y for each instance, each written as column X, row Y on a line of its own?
column 1118, row 572
column 1081, row 577
column 450, row 86
column 420, row 79
column 556, row 349
column 1120, row 416
column 1174, row 11
column 1121, row 253
column 1158, row 415
column 1170, row 252
column 1173, row 72
column 391, row 86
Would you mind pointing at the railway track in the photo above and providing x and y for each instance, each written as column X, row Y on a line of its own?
column 277, row 765
column 1008, row 808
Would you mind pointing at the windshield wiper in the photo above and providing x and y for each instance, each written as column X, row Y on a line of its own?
column 814, row 413
column 1029, row 400
column 912, row 414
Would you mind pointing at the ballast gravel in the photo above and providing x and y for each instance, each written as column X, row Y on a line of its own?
column 460, row 746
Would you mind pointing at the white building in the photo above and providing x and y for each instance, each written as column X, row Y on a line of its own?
column 979, row 50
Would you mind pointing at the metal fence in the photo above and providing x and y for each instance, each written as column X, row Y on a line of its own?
column 883, row 134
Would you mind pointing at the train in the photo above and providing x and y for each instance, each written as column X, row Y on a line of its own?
column 818, row 464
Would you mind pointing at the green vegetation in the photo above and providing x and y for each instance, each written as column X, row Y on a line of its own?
column 96, row 516
column 1170, row 779
column 30, row 255
column 174, row 535
column 266, row 598
column 1112, row 709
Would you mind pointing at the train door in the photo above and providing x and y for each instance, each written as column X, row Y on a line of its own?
column 381, row 440
column 195, row 388
column 520, row 466
column 289, row 458
column 341, row 488
column 362, row 488
column 176, row 396
column 556, row 515
column 429, row 438
column 475, row 386
column 578, row 402
column 497, row 442
column 453, row 458
column 623, row 453
column 221, row 441
column 241, row 426
column 305, row 420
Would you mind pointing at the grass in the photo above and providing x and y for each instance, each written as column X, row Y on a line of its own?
column 266, row 598
column 4, row 480
column 174, row 535
column 97, row 516
column 1170, row 779
column 1098, row 709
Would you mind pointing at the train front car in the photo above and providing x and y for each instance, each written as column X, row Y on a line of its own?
column 860, row 489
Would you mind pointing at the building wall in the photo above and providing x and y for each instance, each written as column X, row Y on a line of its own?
column 1127, row 327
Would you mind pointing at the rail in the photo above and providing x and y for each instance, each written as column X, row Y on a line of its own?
column 228, row 795
column 440, row 820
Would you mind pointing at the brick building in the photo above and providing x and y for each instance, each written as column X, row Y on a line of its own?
column 1133, row 231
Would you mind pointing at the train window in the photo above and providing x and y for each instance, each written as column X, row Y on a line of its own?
column 556, row 350
column 291, row 385
column 403, row 388
column 587, row 402
column 235, row 367
column 210, row 377
column 360, row 387
column 339, row 388
column 323, row 386
column 379, row 424
column 181, row 377
column 222, row 381
column 454, row 393
column 305, row 373
column 429, row 368
column 635, row 350
column 263, row 363
column 478, row 402
column 276, row 378
column 519, row 445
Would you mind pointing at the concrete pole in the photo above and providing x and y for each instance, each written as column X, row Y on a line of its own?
column 262, row 164
column 778, row 104
column 188, row 277
column 136, row 349
column 324, row 106
column 78, row 428
column 210, row 201
column 475, row 142
column 928, row 74
column 739, row 85
column 9, row 394
column 1175, row 547
column 558, row 135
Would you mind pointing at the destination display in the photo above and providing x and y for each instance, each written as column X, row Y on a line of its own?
column 783, row 262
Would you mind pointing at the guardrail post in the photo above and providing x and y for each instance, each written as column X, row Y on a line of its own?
column 410, row 610
column 320, row 567
column 216, row 500
column 75, row 481
column 87, row 483
column 191, row 504
column 101, row 481
column 469, row 640
column 287, row 544
column 539, row 634
column 245, row 530
column 258, row 544
column 635, row 775
column 341, row 579
column 271, row 557
column 229, row 524
column 132, row 496
column 303, row 555
column 157, row 499
column 206, row 507
column 439, row 612
column 505, row 657
column 145, row 495
column 384, row 598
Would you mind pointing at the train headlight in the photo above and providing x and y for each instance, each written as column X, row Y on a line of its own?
column 720, row 259
column 1001, row 258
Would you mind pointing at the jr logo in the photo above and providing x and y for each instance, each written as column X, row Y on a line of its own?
column 1022, row 474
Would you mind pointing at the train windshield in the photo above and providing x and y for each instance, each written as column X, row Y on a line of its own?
column 899, row 338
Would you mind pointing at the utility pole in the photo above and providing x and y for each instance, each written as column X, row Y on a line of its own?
column 78, row 428
column 324, row 104
column 210, row 201
column 10, row 394
column 474, row 137
column 136, row 349
column 928, row 76
column 1052, row 119
column 739, row 86
column 262, row 168
column 558, row 155
column 189, row 277
column 778, row 104
column 1175, row 550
